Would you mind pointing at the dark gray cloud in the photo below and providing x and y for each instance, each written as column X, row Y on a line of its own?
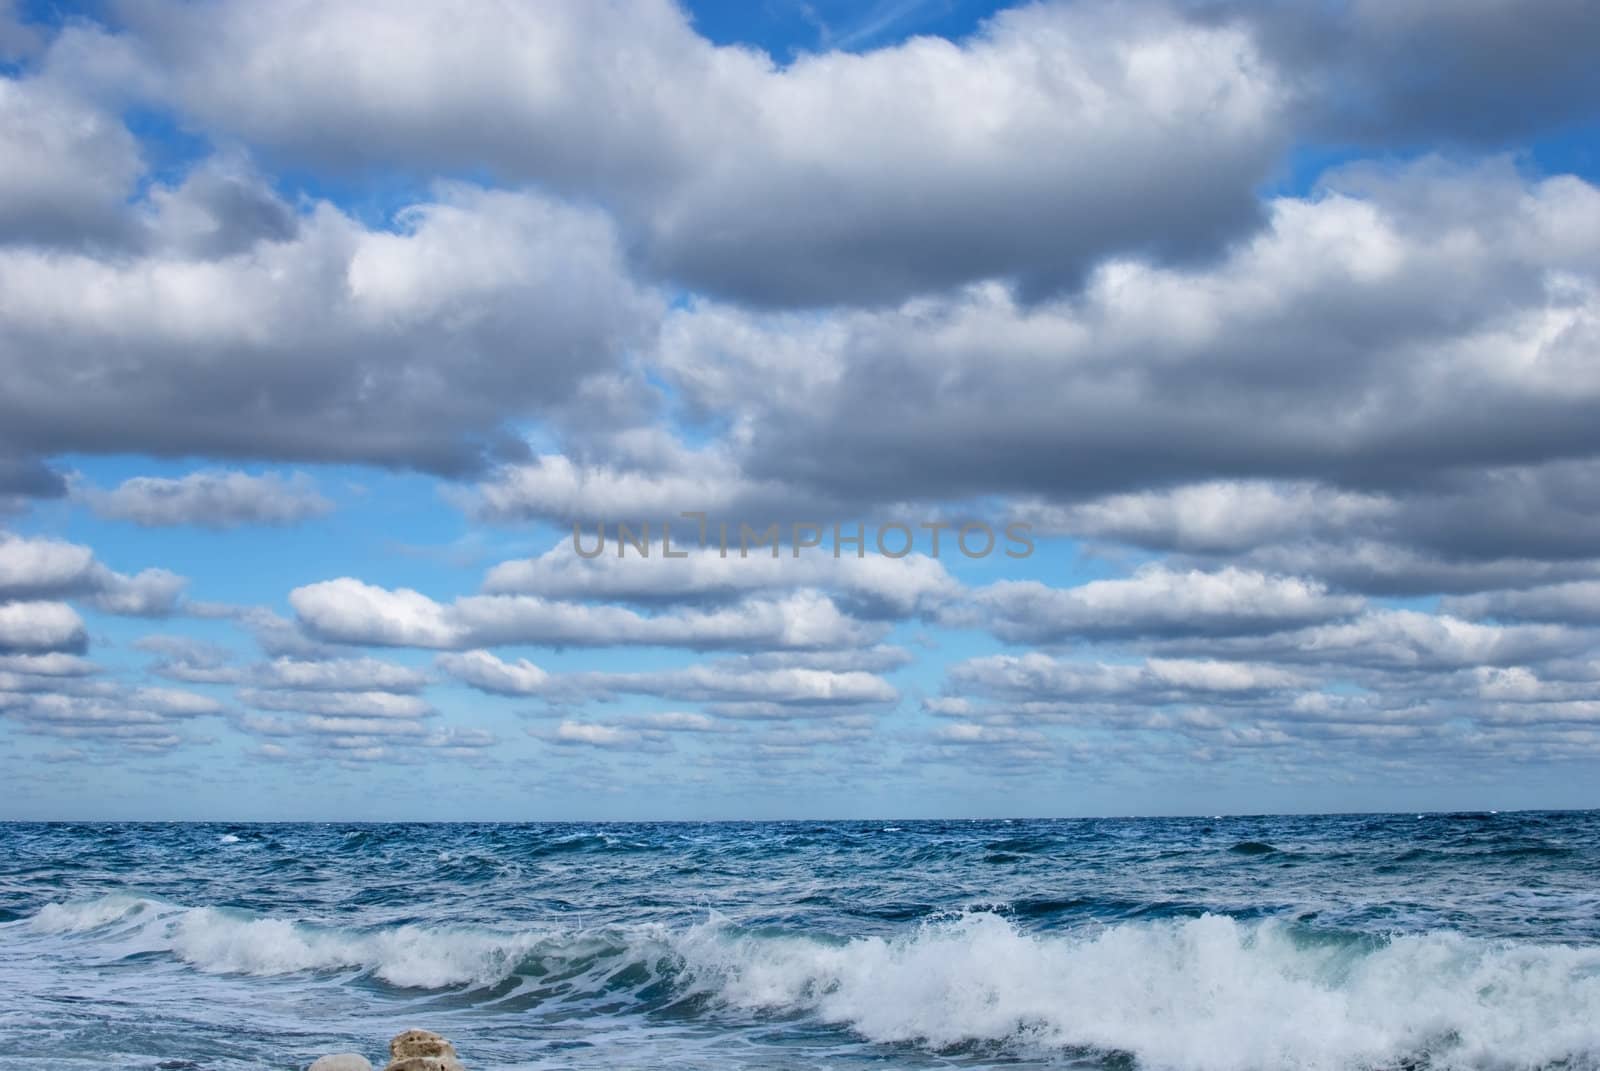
column 1575, row 602
column 1391, row 72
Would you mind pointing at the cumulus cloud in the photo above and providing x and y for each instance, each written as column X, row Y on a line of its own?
column 897, row 587
column 1574, row 602
column 183, row 658
column 339, row 675
column 350, row 611
column 70, row 166
column 409, row 346
column 497, row 676
column 367, row 704
column 1401, row 640
column 1157, row 601
column 211, row 499
column 741, row 690
column 746, row 686
column 1082, row 130
column 137, row 720
column 53, row 568
column 1340, row 344
column 1038, row 676
column 1026, row 274
column 149, row 593
column 41, row 627
column 593, row 734
column 1356, row 74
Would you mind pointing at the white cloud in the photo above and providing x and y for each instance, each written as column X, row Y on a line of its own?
column 1157, row 601
column 69, row 165
column 349, row 611
column 1082, row 129
column 337, row 342
column 897, row 586
column 40, row 627
column 211, row 499
column 488, row 673
column 367, row 704
column 42, row 568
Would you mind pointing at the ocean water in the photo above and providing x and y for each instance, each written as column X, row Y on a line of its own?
column 1360, row 941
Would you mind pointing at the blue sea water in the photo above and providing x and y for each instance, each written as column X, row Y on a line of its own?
column 1356, row 941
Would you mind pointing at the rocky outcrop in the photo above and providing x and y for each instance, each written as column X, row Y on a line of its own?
column 422, row 1050
column 342, row 1061
column 414, row 1050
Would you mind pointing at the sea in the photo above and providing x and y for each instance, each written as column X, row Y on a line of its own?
column 1403, row 941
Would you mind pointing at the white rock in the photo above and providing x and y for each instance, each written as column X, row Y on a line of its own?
column 342, row 1061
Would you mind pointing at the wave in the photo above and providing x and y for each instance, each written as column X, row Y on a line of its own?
column 1198, row 994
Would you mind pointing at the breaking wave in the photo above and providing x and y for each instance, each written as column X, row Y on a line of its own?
column 1198, row 994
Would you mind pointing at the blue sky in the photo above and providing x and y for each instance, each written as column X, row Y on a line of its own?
column 1277, row 329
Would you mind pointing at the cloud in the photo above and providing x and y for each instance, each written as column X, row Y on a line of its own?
column 69, row 165
column 487, row 673
column 211, row 499
column 17, row 39
column 192, row 661
column 1217, row 517
column 365, row 704
column 410, row 346
column 41, row 627
column 352, row 612
column 897, row 587
column 1471, row 529
column 137, row 720
column 1395, row 639
column 1387, row 331
column 1156, row 681
column 1081, row 130
column 50, row 664
column 742, row 690
column 591, row 734
column 150, row 593
column 1156, row 602
column 32, row 568
column 1575, row 602
column 52, row 568
column 339, row 675
column 1494, row 70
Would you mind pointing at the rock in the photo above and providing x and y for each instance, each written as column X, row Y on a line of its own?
column 420, row 1043
column 422, row 1050
column 425, row 1063
column 342, row 1061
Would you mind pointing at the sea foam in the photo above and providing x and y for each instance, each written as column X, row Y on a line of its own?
column 1198, row 994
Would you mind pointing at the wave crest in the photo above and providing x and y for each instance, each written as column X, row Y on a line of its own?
column 1199, row 994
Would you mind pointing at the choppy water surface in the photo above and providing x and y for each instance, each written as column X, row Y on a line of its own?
column 1466, row 940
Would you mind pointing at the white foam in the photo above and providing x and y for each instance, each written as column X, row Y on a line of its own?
column 87, row 915
column 1206, row 994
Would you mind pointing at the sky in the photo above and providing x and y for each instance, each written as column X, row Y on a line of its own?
column 1263, row 338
